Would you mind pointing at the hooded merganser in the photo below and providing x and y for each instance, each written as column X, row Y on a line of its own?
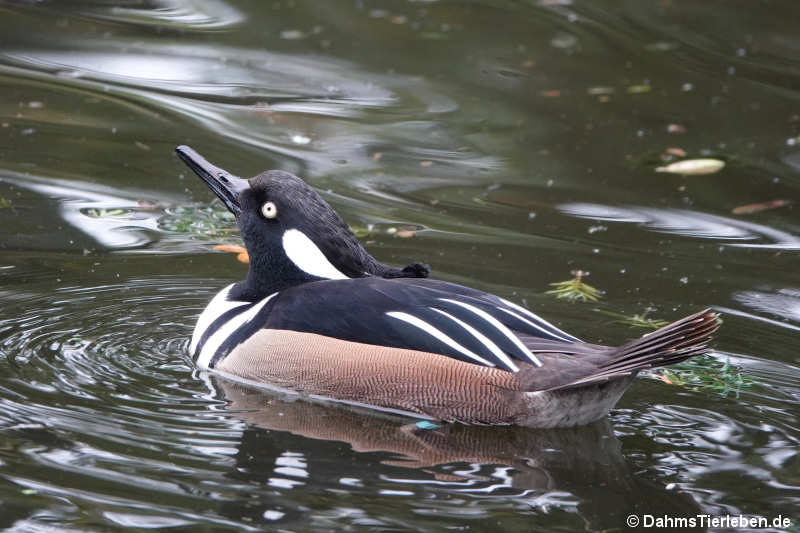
column 318, row 315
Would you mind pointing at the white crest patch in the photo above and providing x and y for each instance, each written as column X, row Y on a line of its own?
column 215, row 341
column 218, row 306
column 307, row 256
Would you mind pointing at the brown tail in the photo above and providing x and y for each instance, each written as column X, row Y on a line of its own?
column 671, row 344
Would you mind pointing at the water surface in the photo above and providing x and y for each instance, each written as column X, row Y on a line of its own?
column 516, row 142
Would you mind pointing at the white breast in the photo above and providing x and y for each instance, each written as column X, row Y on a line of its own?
column 218, row 306
column 221, row 335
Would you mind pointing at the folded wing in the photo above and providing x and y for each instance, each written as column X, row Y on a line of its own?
column 418, row 314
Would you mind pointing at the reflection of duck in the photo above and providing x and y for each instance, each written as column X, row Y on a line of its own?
column 319, row 315
column 583, row 465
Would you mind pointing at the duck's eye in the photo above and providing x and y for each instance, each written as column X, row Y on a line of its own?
column 269, row 210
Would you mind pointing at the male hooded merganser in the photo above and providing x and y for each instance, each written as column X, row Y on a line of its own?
column 318, row 315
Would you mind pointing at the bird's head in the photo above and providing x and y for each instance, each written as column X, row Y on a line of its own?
column 291, row 233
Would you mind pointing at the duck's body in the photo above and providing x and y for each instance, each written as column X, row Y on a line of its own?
column 319, row 316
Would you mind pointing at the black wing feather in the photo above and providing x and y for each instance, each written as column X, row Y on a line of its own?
column 356, row 310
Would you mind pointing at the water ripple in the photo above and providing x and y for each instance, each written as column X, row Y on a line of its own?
column 193, row 15
column 97, row 393
column 784, row 303
column 689, row 224
column 472, row 138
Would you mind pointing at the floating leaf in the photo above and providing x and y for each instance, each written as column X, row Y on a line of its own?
column 563, row 41
column 4, row 202
column 639, row 89
column 660, row 46
column 598, row 91
column 403, row 232
column 749, row 209
column 706, row 373
column 480, row 201
column 432, row 35
column 240, row 251
column 231, row 248
column 677, row 152
column 292, row 35
column 575, row 289
column 693, row 167
column 361, row 232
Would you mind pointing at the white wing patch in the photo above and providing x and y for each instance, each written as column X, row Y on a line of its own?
column 565, row 336
column 531, row 324
column 218, row 306
column 433, row 331
column 495, row 349
column 215, row 341
column 306, row 256
column 503, row 329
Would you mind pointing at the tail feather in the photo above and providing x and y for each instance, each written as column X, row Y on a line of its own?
column 671, row 344
column 682, row 332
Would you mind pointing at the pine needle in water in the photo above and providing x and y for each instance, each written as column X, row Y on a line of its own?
column 575, row 289
column 635, row 321
column 706, row 373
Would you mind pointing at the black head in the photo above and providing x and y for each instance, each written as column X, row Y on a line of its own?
column 292, row 235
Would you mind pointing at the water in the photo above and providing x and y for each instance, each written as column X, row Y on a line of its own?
column 516, row 142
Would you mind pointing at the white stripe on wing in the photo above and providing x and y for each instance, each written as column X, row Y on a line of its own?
column 434, row 332
column 540, row 320
column 535, row 326
column 495, row 349
column 499, row 325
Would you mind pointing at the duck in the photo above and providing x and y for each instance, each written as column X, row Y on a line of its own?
column 318, row 316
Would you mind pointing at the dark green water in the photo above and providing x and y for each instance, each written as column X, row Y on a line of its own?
column 518, row 138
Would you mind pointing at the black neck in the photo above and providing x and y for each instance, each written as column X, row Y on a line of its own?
column 271, row 271
column 268, row 275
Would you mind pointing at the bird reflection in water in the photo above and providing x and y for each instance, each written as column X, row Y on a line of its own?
column 580, row 469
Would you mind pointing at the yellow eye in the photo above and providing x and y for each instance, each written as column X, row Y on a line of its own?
column 269, row 210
